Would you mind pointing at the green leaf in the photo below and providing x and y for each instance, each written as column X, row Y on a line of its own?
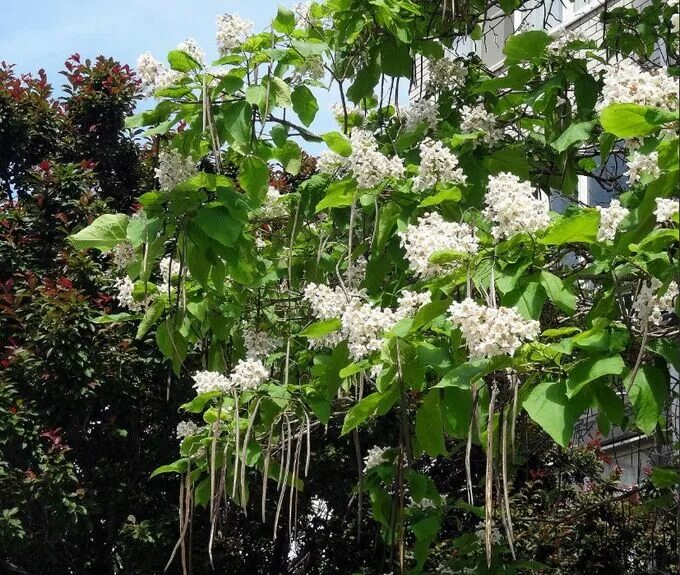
column 354, row 368
column 235, row 122
column 114, row 318
column 647, row 394
column 339, row 195
column 179, row 466
column 321, row 328
column 526, row 46
column 664, row 477
column 657, row 240
column 279, row 92
column 365, row 80
column 557, row 293
column 172, row 344
column 104, row 233
column 284, row 21
column 152, row 315
column 254, row 177
column 337, row 143
column 449, row 194
column 395, row 58
column 578, row 132
column 466, row 374
column 429, row 425
column 593, row 368
column 548, row 405
column 528, row 299
column 362, row 411
column 456, row 411
column 577, row 228
column 290, row 156
column 304, row 104
column 633, row 120
column 180, row 61
column 216, row 222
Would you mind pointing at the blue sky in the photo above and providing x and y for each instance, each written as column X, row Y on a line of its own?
column 38, row 34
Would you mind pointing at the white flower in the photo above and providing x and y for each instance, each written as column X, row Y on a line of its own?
column 123, row 255
column 421, row 111
column 675, row 23
column 173, row 169
column 302, row 18
column 358, row 271
column 477, row 119
column 312, row 67
column 186, row 428
column 409, row 303
column 330, row 162
column 326, row 303
column 169, row 268
column 511, row 205
column 148, row 70
column 259, row 344
column 355, row 114
column 445, row 74
column 367, row 164
column 610, row 218
column 430, row 234
column 423, row 504
column 650, row 307
column 248, row 374
column 232, row 31
column 561, row 43
column 641, row 163
column 363, row 325
column 191, row 47
column 374, row 457
column 207, row 381
column 274, row 206
column 489, row 331
column 666, row 209
column 437, row 165
column 125, row 287
column 626, row 82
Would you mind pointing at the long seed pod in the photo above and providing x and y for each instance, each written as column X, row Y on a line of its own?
column 265, row 474
column 285, row 475
column 504, row 473
column 468, row 447
column 244, row 452
column 237, row 445
column 488, row 493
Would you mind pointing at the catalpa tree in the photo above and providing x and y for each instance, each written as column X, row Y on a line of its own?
column 418, row 276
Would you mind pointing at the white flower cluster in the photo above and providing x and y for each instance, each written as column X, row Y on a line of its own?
column 409, row 303
column 626, row 82
column 302, row 18
column 561, row 43
column 437, row 165
column 355, row 114
column 610, row 218
column 420, row 112
column 511, row 205
column 154, row 75
column 330, row 162
column 186, row 428
column 496, row 536
column 374, row 457
column 173, row 169
column 207, row 381
column 650, row 307
column 643, row 164
column 191, row 47
column 368, row 165
column 248, row 374
column 675, row 23
column 123, row 255
column 232, row 31
column 666, row 209
column 491, row 331
column 124, row 286
column 362, row 323
column 274, row 206
column 169, row 268
column 445, row 74
column 312, row 67
column 259, row 344
column 477, row 119
column 358, row 269
column 430, row 234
